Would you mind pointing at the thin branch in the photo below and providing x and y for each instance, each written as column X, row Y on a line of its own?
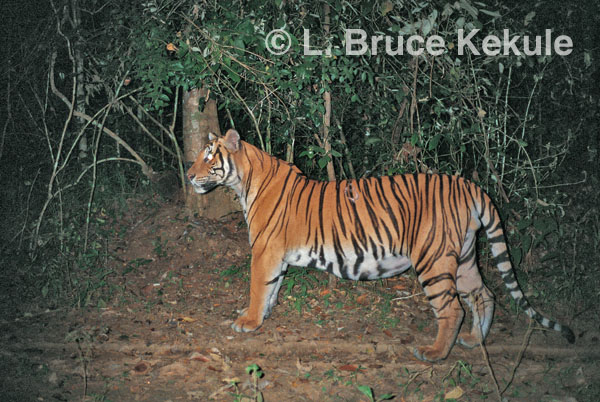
column 146, row 170
column 53, row 176
column 252, row 116
column 66, row 187
column 175, row 144
column 520, row 356
column 8, row 114
column 94, row 180
column 145, row 129
column 158, row 123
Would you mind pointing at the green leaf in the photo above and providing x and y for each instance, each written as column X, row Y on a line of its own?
column 414, row 138
column 529, row 18
column 239, row 43
column 434, row 142
column 309, row 154
column 516, row 255
column 323, row 161
column 253, row 368
column 426, row 27
column 587, row 59
column 465, row 5
column 372, row 140
column 365, row 389
column 494, row 14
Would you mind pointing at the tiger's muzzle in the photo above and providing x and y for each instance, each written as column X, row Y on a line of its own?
column 201, row 185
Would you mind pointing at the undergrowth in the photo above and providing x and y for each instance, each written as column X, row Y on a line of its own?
column 69, row 267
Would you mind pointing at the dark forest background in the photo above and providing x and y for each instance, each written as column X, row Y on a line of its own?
column 91, row 116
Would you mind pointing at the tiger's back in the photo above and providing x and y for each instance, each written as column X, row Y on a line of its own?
column 365, row 229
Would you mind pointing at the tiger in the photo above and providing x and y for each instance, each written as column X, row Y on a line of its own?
column 365, row 229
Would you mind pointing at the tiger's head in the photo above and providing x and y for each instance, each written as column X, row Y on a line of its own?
column 214, row 165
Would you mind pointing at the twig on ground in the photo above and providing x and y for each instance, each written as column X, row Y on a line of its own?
column 407, row 297
column 520, row 356
column 484, row 352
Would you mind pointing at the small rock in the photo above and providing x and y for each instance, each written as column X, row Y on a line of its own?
column 53, row 378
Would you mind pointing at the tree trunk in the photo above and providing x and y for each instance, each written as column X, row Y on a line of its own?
column 333, row 281
column 327, row 115
column 80, row 76
column 196, row 126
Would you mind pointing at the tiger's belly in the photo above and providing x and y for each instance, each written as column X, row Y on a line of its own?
column 366, row 266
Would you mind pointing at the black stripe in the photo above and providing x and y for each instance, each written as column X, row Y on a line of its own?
column 321, row 201
column 274, row 280
column 438, row 278
column 497, row 239
column 502, row 257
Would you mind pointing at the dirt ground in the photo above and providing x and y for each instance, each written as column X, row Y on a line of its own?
column 177, row 283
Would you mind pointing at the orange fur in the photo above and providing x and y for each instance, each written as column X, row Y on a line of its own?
column 364, row 229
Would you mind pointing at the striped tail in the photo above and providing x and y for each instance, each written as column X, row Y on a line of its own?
column 493, row 228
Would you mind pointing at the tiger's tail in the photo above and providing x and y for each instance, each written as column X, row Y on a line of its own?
column 490, row 220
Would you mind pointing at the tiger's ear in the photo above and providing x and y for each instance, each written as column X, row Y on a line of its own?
column 232, row 140
column 212, row 136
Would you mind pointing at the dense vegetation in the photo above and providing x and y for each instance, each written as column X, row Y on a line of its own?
column 92, row 94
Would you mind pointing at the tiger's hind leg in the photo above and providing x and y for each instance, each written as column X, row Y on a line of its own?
column 440, row 288
column 479, row 299
column 481, row 304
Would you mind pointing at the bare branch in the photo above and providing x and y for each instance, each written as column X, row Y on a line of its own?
column 146, row 170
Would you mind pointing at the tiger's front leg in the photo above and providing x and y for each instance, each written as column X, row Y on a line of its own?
column 266, row 276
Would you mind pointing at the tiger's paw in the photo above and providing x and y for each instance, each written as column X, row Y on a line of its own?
column 428, row 354
column 468, row 341
column 246, row 324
